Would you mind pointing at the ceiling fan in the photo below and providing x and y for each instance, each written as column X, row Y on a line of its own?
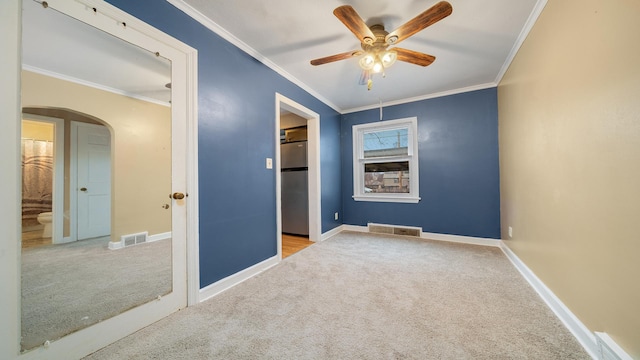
column 376, row 40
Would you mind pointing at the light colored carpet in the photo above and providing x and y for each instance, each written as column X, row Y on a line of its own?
column 361, row 296
column 67, row 287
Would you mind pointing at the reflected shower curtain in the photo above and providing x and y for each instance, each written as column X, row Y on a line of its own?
column 37, row 179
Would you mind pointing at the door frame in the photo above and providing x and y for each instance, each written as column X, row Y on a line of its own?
column 57, row 236
column 313, row 154
column 184, row 110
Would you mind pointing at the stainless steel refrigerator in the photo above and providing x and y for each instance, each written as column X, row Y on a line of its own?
column 294, row 191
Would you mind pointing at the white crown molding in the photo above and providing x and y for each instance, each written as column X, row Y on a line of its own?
column 528, row 25
column 90, row 84
column 222, row 32
column 423, row 97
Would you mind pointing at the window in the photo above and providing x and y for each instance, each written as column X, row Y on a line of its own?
column 385, row 161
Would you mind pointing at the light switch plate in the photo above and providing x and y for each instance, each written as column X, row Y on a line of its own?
column 269, row 163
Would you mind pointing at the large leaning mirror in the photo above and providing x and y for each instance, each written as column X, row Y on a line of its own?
column 96, row 150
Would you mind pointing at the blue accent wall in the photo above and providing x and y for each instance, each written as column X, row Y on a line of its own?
column 236, row 100
column 459, row 167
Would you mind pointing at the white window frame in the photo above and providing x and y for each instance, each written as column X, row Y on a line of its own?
column 359, row 161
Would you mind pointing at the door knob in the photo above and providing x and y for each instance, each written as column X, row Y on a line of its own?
column 83, row 189
column 165, row 206
column 178, row 195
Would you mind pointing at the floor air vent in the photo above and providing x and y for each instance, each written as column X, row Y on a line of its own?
column 134, row 239
column 395, row 230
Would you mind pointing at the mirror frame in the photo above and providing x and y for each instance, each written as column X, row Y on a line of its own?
column 184, row 124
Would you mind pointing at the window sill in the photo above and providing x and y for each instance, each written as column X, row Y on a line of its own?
column 380, row 198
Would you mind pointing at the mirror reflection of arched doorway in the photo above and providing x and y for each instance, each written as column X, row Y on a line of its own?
column 64, row 209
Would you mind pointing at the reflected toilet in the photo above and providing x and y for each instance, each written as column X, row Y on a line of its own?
column 45, row 219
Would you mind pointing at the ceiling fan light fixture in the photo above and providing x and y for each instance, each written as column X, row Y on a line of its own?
column 388, row 58
column 377, row 66
column 367, row 62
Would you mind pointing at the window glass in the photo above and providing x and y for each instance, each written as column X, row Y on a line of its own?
column 387, row 177
column 386, row 143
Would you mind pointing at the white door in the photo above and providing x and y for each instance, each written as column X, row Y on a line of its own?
column 94, row 181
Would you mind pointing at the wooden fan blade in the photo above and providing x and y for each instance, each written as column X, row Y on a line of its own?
column 414, row 57
column 429, row 17
column 354, row 22
column 336, row 57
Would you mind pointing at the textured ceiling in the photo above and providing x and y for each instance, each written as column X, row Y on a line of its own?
column 472, row 46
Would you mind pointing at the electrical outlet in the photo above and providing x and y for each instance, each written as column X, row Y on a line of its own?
column 510, row 231
column 269, row 163
column 335, row 216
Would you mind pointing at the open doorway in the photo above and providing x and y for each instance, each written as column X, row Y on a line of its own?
column 42, row 164
column 298, row 130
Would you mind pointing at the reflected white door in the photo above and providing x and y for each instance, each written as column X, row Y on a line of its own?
column 94, row 181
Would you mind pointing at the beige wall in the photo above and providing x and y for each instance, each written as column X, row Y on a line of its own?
column 141, row 148
column 569, row 123
column 37, row 130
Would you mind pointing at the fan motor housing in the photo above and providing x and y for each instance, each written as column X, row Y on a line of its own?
column 379, row 44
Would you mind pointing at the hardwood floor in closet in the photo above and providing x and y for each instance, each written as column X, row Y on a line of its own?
column 292, row 244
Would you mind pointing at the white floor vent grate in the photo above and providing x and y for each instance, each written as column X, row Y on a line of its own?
column 134, row 239
column 395, row 230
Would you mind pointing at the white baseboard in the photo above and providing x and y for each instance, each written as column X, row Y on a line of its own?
column 160, row 236
column 333, row 232
column 575, row 326
column 609, row 349
column 462, row 239
column 235, row 279
column 115, row 245
column 357, row 228
column 434, row 236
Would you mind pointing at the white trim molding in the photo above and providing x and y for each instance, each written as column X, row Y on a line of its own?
column 313, row 156
column 230, row 281
column 471, row 240
column 213, row 26
column 360, row 132
column 331, row 233
column 90, row 84
column 432, row 236
column 159, row 236
column 608, row 349
column 424, row 97
column 528, row 25
column 575, row 326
